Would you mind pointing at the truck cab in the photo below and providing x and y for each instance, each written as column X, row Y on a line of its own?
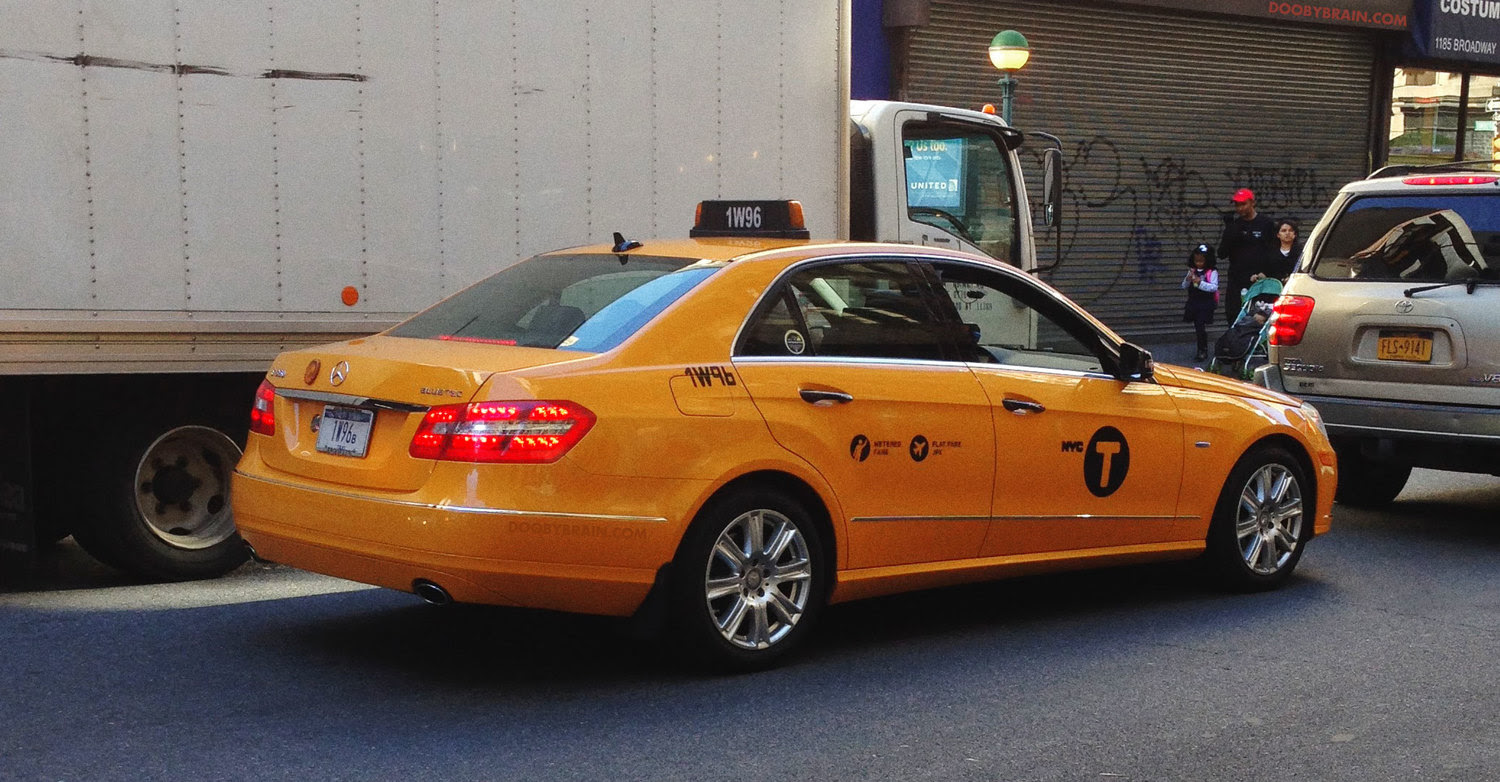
column 942, row 177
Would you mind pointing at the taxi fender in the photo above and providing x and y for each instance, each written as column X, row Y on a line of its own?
column 1229, row 439
column 795, row 469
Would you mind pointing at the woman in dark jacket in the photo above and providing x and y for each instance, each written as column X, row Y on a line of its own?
column 1202, row 284
column 1283, row 261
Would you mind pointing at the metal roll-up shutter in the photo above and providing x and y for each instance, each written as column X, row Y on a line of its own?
column 1163, row 115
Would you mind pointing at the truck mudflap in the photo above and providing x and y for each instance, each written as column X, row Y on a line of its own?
column 17, row 523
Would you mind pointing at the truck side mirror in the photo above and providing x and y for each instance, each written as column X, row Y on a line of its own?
column 1052, row 187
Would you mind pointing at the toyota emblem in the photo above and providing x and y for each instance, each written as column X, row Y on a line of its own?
column 338, row 373
column 1404, row 306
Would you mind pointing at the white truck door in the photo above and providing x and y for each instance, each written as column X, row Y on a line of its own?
column 958, row 186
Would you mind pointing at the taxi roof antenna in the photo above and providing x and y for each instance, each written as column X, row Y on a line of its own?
column 622, row 246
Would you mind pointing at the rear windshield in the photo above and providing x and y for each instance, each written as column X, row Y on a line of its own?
column 1414, row 238
column 587, row 303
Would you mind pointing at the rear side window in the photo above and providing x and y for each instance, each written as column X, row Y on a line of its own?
column 588, row 303
column 867, row 309
column 1414, row 238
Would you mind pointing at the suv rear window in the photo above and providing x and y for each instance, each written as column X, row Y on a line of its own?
column 1426, row 237
column 583, row 302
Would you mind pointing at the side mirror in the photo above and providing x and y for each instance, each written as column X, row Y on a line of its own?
column 1135, row 363
column 1052, row 187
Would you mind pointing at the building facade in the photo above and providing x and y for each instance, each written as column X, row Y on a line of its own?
column 1165, row 110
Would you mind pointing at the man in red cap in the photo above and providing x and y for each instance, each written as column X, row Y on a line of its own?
column 1249, row 237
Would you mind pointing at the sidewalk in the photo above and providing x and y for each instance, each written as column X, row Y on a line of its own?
column 1178, row 352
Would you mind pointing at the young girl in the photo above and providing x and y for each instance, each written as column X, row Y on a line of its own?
column 1202, row 284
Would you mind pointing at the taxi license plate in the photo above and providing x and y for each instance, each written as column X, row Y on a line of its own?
column 1397, row 346
column 345, row 431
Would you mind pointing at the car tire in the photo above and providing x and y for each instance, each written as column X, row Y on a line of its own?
column 1261, row 522
column 1367, row 483
column 750, row 579
column 162, row 509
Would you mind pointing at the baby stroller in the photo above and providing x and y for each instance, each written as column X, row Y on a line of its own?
column 1243, row 347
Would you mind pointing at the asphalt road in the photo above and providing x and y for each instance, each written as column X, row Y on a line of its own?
column 1376, row 662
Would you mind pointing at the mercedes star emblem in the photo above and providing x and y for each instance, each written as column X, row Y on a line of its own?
column 338, row 373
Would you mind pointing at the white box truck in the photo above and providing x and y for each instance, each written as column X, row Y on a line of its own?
column 188, row 187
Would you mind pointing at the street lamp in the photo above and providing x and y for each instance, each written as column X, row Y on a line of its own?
column 1008, row 52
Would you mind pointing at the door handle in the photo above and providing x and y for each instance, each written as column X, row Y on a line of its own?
column 1021, row 407
column 815, row 396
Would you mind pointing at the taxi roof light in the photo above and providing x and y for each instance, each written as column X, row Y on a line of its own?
column 758, row 219
column 532, row 432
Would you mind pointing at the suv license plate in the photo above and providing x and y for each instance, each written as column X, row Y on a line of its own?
column 345, row 431
column 1404, row 347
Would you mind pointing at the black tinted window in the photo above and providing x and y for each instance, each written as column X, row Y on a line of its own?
column 1414, row 238
column 574, row 302
column 865, row 310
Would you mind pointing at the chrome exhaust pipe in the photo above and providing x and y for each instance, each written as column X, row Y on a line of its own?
column 430, row 592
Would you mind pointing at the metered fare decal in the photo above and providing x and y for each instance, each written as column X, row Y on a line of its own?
column 1106, row 460
column 919, row 448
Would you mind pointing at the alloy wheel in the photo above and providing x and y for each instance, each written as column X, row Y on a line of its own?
column 1268, row 524
column 758, row 579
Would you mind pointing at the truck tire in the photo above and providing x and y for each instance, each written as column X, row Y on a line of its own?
column 162, row 509
column 1364, row 482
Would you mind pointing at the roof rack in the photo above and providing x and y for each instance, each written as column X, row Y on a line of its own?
column 1401, row 169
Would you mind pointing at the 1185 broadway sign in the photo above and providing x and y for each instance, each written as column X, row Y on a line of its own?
column 1465, row 30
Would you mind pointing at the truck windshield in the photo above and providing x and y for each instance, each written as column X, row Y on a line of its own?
column 1414, row 238
column 585, row 302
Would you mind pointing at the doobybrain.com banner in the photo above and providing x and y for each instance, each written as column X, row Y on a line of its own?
column 1383, row 14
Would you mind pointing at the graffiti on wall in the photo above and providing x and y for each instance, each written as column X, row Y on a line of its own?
column 1158, row 207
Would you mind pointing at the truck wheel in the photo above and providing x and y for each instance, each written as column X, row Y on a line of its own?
column 1367, row 483
column 163, row 511
column 1259, row 527
column 751, row 577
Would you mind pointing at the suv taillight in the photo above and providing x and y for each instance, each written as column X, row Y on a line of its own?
column 1289, row 319
column 263, row 412
column 528, row 432
column 1466, row 179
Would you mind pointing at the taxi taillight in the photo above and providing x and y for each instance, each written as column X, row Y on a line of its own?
column 532, row 432
column 1289, row 316
column 263, row 412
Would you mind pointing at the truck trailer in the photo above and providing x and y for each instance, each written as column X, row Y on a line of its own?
column 188, row 188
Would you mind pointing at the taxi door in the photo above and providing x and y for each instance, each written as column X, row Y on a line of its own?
column 853, row 372
column 1083, row 460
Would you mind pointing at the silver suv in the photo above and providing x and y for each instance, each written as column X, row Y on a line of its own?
column 1391, row 326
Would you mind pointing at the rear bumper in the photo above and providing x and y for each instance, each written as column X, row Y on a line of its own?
column 583, row 563
column 1347, row 417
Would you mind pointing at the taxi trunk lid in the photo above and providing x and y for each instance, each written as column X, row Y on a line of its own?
column 346, row 413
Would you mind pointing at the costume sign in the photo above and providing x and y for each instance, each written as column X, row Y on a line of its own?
column 1466, row 30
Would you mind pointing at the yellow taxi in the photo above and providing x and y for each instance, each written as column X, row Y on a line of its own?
column 734, row 431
